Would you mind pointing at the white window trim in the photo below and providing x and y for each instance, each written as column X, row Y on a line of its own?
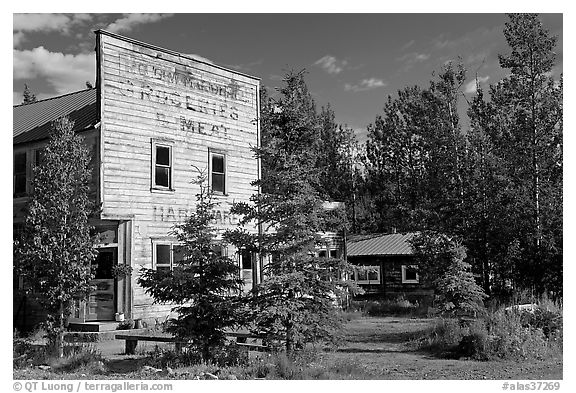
column 154, row 256
column 213, row 152
column 367, row 281
column 170, row 145
column 404, row 280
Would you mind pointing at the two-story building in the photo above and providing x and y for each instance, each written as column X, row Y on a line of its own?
column 153, row 119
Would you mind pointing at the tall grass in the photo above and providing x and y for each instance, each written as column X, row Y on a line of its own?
column 502, row 333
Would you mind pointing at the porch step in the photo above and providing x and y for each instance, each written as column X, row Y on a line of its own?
column 104, row 326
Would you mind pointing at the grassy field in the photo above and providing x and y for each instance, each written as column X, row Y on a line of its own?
column 373, row 348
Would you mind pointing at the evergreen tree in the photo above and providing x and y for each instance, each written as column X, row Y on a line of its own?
column 204, row 285
column 29, row 97
column 441, row 263
column 294, row 303
column 56, row 250
column 523, row 121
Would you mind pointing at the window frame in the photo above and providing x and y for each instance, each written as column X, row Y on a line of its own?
column 409, row 281
column 367, row 280
column 171, row 245
column 25, row 172
column 212, row 153
column 155, row 143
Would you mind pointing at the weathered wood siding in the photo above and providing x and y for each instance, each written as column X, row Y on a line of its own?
column 148, row 94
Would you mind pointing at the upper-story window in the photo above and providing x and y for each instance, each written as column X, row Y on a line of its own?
column 20, row 169
column 218, row 172
column 162, row 165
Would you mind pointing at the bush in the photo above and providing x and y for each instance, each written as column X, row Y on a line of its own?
column 444, row 337
column 79, row 357
column 398, row 306
column 503, row 334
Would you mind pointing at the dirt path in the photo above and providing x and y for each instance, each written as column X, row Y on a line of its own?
column 383, row 346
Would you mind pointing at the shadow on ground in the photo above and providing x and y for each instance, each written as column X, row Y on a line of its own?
column 123, row 366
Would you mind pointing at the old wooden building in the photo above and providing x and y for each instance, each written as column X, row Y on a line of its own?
column 386, row 267
column 153, row 119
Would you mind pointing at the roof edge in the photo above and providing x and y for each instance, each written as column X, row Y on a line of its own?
column 53, row 98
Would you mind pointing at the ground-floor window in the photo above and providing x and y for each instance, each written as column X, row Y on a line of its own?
column 410, row 274
column 367, row 275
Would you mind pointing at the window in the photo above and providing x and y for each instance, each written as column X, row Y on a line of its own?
column 322, row 254
column 167, row 255
column 38, row 157
column 245, row 259
column 334, row 254
column 410, row 274
column 368, row 275
column 20, row 174
column 218, row 173
column 162, row 165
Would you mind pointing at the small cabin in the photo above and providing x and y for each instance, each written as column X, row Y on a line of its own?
column 386, row 267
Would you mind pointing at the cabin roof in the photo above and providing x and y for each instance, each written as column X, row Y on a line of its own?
column 381, row 244
column 33, row 122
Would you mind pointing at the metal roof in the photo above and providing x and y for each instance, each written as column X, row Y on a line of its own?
column 33, row 122
column 390, row 244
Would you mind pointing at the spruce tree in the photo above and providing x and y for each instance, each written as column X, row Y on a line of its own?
column 204, row 285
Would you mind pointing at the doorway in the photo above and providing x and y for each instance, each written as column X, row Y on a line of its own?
column 101, row 304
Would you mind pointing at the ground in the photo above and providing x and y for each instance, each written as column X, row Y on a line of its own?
column 373, row 348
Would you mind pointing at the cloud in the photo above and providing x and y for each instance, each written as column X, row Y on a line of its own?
column 65, row 72
column 41, row 22
column 365, row 84
column 471, row 86
column 414, row 57
column 408, row 45
column 331, row 64
column 129, row 21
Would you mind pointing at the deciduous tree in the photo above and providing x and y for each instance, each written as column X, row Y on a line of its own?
column 56, row 249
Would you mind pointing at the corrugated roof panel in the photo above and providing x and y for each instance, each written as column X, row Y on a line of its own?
column 391, row 244
column 33, row 121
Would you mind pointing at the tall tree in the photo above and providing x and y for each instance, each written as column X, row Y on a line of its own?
column 56, row 250
column 204, row 285
column 294, row 302
column 29, row 97
column 523, row 121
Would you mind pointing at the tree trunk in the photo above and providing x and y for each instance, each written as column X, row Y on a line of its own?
column 60, row 332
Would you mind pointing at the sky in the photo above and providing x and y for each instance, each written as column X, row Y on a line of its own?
column 353, row 61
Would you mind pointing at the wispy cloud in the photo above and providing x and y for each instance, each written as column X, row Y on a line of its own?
column 407, row 45
column 414, row 57
column 365, row 84
column 130, row 21
column 331, row 64
column 65, row 72
column 471, row 86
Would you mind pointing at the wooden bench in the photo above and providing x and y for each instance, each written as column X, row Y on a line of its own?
column 241, row 340
column 132, row 341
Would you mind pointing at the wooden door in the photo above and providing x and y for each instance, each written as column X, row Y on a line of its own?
column 101, row 304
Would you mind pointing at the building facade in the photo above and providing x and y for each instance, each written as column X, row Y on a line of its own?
column 154, row 121
column 385, row 267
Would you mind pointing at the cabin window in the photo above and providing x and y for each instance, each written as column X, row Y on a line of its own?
column 218, row 173
column 368, row 275
column 410, row 274
column 162, row 165
column 20, row 174
column 166, row 255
